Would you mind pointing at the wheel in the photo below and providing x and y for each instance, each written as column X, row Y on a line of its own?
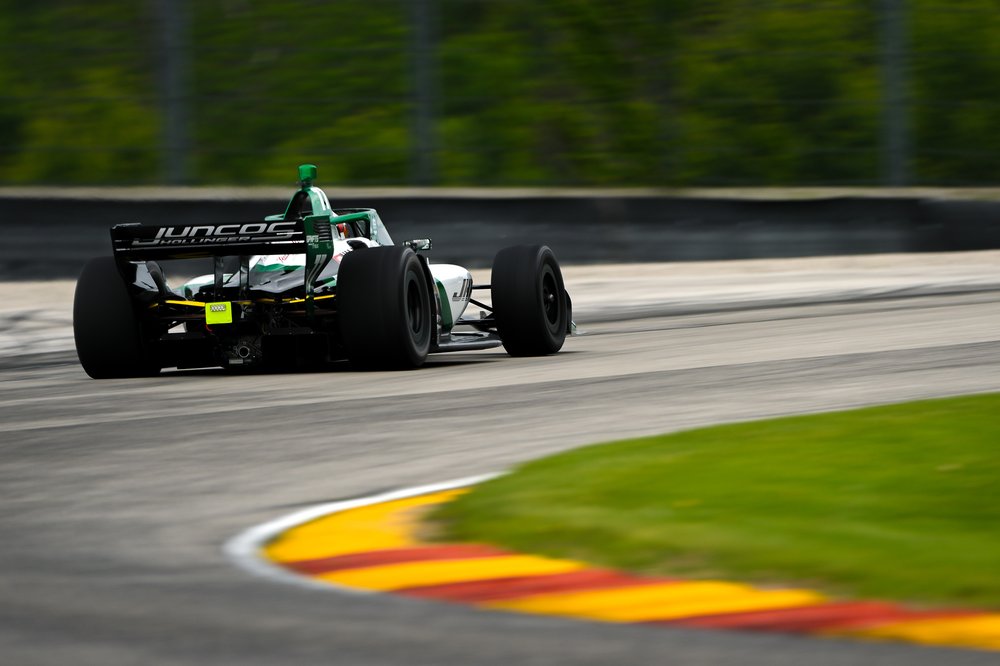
column 529, row 300
column 108, row 334
column 384, row 306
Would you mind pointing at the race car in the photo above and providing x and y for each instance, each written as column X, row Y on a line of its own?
column 308, row 286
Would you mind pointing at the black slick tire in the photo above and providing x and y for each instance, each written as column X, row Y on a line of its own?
column 384, row 306
column 529, row 300
column 108, row 334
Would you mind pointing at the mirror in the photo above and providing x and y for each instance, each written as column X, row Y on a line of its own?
column 419, row 244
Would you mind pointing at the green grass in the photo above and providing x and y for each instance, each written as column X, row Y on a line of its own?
column 897, row 502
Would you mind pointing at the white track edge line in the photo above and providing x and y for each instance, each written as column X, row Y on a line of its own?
column 244, row 549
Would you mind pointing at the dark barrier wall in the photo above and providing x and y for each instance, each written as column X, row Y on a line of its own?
column 52, row 239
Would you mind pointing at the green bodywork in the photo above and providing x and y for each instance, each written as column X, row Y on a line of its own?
column 365, row 220
column 319, row 251
column 311, row 205
column 446, row 319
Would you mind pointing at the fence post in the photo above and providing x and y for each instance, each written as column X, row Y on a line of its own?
column 172, row 63
column 895, row 108
column 423, row 169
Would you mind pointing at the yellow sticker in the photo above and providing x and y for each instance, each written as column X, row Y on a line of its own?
column 218, row 313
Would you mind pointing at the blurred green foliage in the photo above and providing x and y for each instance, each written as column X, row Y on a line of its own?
column 528, row 92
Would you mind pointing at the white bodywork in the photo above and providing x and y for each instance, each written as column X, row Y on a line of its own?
column 278, row 272
column 453, row 285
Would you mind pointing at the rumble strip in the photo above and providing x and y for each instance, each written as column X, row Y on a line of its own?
column 373, row 545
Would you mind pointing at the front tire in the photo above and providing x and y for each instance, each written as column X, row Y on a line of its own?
column 529, row 300
column 384, row 307
column 108, row 335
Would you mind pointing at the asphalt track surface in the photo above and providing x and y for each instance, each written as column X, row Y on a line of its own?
column 119, row 495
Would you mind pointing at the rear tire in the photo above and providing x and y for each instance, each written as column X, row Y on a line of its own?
column 108, row 334
column 384, row 307
column 529, row 300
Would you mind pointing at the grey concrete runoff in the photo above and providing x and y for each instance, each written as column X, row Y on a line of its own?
column 36, row 316
column 119, row 495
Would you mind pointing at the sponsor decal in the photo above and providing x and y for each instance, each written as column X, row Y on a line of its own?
column 209, row 234
column 464, row 292
column 218, row 313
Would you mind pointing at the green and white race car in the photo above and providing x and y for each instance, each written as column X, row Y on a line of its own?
column 304, row 287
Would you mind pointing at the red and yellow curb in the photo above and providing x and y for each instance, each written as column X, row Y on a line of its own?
column 377, row 548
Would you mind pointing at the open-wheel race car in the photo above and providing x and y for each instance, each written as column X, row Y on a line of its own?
column 305, row 287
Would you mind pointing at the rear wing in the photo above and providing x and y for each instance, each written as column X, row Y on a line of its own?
column 312, row 236
column 140, row 242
